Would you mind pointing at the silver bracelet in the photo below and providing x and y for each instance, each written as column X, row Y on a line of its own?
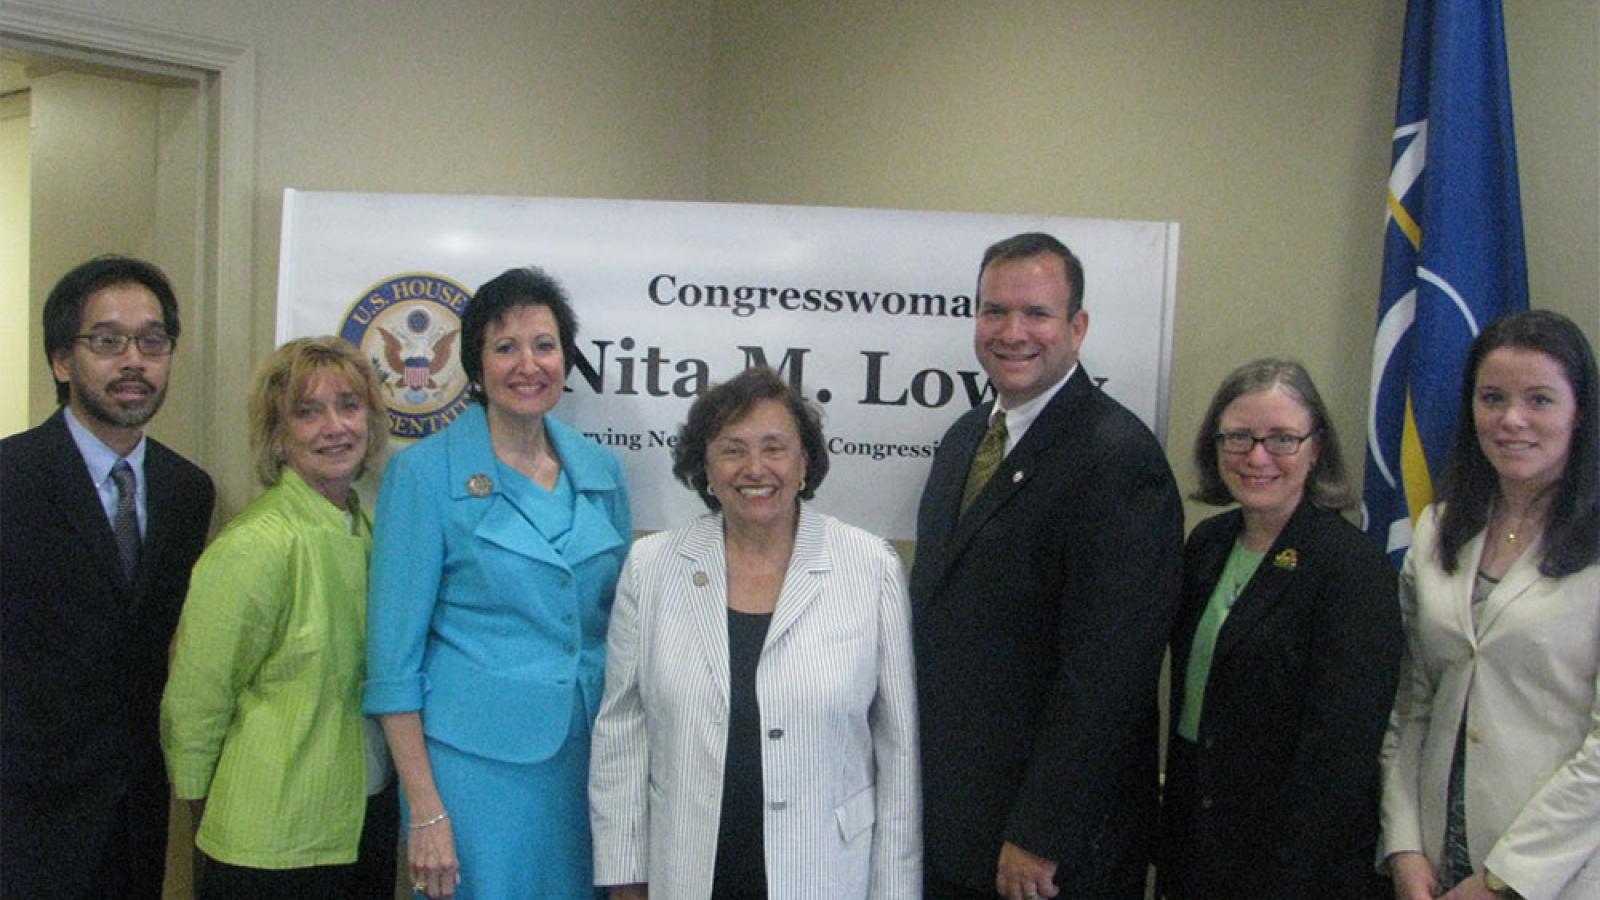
column 417, row 826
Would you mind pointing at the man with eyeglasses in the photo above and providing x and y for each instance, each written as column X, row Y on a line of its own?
column 99, row 527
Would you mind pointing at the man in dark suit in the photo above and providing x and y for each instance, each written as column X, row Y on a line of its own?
column 1049, row 542
column 99, row 527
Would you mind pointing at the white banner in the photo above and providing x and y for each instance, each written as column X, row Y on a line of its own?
column 868, row 311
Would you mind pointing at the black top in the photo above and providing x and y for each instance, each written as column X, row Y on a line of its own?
column 1278, row 799
column 741, row 856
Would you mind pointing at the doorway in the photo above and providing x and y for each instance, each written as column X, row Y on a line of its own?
column 109, row 159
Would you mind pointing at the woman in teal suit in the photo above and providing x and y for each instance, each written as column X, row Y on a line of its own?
column 497, row 547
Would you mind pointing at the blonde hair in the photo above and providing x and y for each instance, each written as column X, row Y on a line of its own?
column 281, row 384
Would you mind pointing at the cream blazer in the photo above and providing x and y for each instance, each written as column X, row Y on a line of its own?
column 838, row 709
column 1527, row 677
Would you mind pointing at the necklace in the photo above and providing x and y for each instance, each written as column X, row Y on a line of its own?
column 1515, row 533
column 1234, row 592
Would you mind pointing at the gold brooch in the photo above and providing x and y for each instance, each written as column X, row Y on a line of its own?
column 1287, row 559
column 480, row 485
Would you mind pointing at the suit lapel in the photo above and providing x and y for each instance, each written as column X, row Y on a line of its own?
column 945, row 501
column 801, row 582
column 1020, row 466
column 704, row 581
column 941, row 500
column 1462, row 581
column 473, row 475
column 159, row 503
column 79, row 501
column 1276, row 573
column 506, row 526
column 1523, row 574
column 1208, row 562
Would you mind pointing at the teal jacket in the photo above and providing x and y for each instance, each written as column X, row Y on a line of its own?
column 262, row 712
column 476, row 620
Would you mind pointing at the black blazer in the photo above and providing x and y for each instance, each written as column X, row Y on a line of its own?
column 1039, row 620
column 1279, row 798
column 83, row 658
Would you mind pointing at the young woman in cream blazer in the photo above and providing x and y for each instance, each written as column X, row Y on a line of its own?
column 1492, row 760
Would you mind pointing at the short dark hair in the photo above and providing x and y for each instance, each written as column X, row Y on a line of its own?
column 523, row 286
column 730, row 401
column 63, row 308
column 1326, row 483
column 1470, row 485
column 1030, row 244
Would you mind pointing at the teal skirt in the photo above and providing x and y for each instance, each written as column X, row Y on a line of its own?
column 521, row 830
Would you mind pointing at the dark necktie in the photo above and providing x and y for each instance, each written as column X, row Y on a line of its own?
column 991, row 450
column 125, row 524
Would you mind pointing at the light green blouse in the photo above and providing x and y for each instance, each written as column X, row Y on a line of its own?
column 1236, row 574
column 262, row 712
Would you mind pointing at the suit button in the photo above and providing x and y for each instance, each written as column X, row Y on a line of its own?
column 566, row 581
column 1474, row 735
column 778, row 805
column 567, row 618
column 1205, row 802
column 571, row 650
column 1208, row 743
column 775, row 733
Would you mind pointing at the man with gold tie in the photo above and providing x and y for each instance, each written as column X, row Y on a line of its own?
column 1049, row 542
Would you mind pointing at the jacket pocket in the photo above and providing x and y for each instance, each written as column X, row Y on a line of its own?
column 496, row 715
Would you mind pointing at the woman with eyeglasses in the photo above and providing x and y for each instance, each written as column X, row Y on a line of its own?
column 1284, row 660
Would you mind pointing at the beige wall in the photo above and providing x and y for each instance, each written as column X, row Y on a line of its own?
column 1261, row 127
column 1555, row 63
column 16, row 341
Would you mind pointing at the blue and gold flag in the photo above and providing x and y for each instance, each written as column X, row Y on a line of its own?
column 1452, row 254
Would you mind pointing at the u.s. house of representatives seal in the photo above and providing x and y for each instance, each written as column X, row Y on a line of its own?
column 409, row 327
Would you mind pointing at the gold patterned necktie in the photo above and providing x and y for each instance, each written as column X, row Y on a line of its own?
column 991, row 450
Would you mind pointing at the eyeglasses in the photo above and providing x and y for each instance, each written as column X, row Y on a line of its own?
column 1277, row 444
column 112, row 343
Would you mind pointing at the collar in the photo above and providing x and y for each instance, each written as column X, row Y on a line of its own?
column 314, row 507
column 470, row 452
column 1020, row 419
column 98, row 455
column 703, row 539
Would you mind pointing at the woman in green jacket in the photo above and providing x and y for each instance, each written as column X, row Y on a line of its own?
column 261, row 720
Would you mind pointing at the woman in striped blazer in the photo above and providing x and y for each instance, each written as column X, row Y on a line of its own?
column 758, row 736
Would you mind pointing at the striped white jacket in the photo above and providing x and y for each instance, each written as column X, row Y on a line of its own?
column 838, row 707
